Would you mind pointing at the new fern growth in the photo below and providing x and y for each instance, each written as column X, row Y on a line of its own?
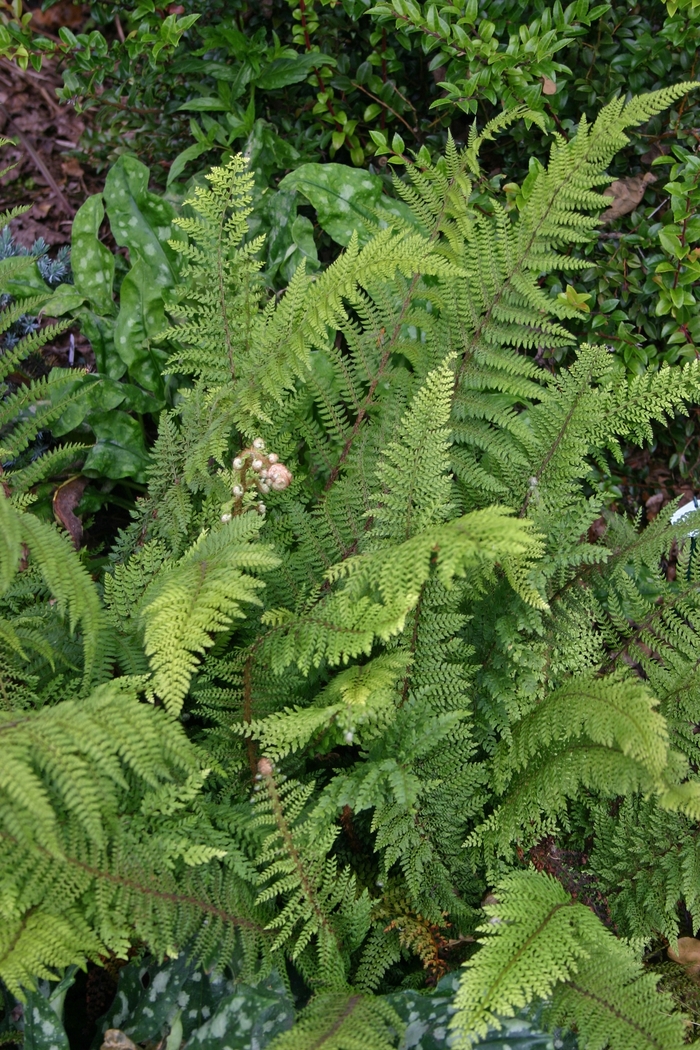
column 360, row 592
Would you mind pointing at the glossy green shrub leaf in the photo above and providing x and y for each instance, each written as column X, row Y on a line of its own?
column 284, row 71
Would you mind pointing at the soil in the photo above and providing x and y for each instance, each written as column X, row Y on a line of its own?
column 45, row 173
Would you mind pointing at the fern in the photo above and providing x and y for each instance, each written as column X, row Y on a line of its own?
column 360, row 593
column 542, row 943
column 342, row 1022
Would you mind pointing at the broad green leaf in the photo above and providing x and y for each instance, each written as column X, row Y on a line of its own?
column 92, row 261
column 141, row 318
column 20, row 277
column 427, row 1018
column 66, row 299
column 185, row 156
column 248, row 1019
column 289, row 237
column 267, row 152
column 10, row 544
column 142, row 221
column 204, row 104
column 161, row 1000
column 346, row 200
column 43, row 1013
column 91, row 393
column 151, row 995
column 100, row 332
column 120, row 451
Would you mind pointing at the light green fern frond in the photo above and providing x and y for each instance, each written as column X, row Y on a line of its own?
column 343, row 1022
column 221, row 291
column 200, row 595
column 74, row 592
column 413, row 471
column 540, row 943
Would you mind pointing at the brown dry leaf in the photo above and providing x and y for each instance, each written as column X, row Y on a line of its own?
column 71, row 168
column 41, row 209
column 65, row 499
column 115, row 1039
column 653, row 506
column 688, row 954
column 548, row 86
column 627, row 194
column 64, row 13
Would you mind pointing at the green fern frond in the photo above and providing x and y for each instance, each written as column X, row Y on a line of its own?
column 342, row 1022
column 74, row 592
column 197, row 597
column 540, row 943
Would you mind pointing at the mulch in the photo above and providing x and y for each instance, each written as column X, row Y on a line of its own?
column 45, row 172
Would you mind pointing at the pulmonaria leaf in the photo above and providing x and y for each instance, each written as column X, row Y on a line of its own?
column 92, row 262
column 346, row 200
column 142, row 221
column 427, row 1018
column 247, row 1019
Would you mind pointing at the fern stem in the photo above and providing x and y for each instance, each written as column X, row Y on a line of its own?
column 515, row 958
column 265, row 770
column 250, row 744
column 350, row 1007
column 222, row 294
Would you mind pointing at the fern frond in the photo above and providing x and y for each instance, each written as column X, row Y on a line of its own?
column 343, row 1022
column 540, row 943
column 73, row 590
column 197, row 597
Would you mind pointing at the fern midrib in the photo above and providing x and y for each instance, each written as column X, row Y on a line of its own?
column 588, row 994
column 666, row 604
column 515, row 958
column 364, row 408
column 350, row 1008
column 519, row 267
column 435, row 233
column 595, row 701
column 283, row 828
column 555, row 445
column 21, row 927
column 145, row 890
column 222, row 293
column 579, row 746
